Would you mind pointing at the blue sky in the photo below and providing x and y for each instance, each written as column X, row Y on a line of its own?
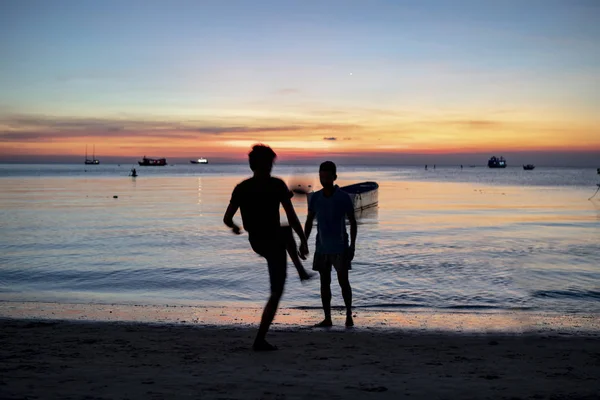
column 533, row 62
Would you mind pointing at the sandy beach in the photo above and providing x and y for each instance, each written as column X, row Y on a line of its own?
column 117, row 360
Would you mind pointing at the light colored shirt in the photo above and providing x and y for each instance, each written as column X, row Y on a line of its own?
column 331, row 213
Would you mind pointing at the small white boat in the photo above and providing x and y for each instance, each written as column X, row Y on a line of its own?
column 364, row 194
column 201, row 160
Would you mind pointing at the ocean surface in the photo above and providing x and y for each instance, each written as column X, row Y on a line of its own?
column 444, row 239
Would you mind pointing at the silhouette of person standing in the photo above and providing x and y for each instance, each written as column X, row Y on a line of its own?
column 259, row 198
column 331, row 207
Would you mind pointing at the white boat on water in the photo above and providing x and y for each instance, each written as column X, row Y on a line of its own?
column 364, row 195
column 201, row 160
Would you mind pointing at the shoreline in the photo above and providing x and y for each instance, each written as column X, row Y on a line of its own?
column 117, row 360
column 502, row 322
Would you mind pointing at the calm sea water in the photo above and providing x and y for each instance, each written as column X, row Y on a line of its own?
column 475, row 239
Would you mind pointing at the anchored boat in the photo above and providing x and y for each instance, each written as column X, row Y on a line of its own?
column 153, row 162
column 497, row 162
column 93, row 161
column 364, row 194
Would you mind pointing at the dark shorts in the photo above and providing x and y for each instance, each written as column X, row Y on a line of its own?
column 323, row 262
column 274, row 251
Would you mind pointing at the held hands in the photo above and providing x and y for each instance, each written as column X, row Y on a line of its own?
column 236, row 229
column 303, row 250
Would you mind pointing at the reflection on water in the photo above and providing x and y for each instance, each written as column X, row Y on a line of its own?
column 367, row 216
column 440, row 245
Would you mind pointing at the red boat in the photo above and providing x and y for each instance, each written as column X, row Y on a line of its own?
column 153, row 162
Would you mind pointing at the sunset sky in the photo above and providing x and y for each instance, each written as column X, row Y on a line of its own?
column 365, row 81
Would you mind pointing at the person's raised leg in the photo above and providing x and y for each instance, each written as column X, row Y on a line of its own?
column 344, row 282
column 292, row 250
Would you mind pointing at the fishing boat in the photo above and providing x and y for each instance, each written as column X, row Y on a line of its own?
column 497, row 162
column 93, row 161
column 153, row 162
column 364, row 195
column 528, row 167
column 201, row 160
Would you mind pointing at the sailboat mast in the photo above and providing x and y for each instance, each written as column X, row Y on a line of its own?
column 86, row 151
column 94, row 152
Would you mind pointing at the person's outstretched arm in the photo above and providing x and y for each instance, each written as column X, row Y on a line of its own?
column 295, row 224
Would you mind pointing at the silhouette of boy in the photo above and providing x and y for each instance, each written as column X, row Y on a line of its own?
column 259, row 198
column 331, row 206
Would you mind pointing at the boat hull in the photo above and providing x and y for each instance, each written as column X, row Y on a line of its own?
column 364, row 195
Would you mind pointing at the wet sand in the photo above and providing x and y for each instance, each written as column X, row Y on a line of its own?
column 49, row 359
column 413, row 320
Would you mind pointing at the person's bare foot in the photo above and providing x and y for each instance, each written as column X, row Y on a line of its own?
column 326, row 323
column 263, row 345
column 349, row 321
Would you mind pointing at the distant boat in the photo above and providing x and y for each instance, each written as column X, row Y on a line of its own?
column 364, row 195
column 93, row 161
column 497, row 162
column 153, row 162
column 528, row 167
column 199, row 161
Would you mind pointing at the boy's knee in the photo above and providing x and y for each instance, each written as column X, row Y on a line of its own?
column 277, row 288
column 276, row 293
column 325, row 281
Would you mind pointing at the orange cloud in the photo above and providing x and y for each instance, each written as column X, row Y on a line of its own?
column 363, row 131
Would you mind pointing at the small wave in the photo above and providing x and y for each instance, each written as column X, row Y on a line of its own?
column 394, row 305
column 486, row 307
column 570, row 294
column 408, row 305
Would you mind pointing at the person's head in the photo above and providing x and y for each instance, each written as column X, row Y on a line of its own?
column 261, row 158
column 327, row 173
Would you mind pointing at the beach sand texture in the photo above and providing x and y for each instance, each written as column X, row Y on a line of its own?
column 108, row 360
